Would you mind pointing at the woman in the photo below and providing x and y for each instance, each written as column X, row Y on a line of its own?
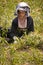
column 23, row 21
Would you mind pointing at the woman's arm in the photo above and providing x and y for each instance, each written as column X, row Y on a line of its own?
column 30, row 24
column 13, row 28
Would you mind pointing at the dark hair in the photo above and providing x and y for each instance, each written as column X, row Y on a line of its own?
column 19, row 10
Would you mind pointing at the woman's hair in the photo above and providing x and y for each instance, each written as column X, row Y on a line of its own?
column 19, row 11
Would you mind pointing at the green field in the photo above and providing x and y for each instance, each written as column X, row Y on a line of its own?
column 28, row 50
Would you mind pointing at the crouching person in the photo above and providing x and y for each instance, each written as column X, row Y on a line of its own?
column 23, row 21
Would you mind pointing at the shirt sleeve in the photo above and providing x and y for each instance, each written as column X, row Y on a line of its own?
column 30, row 24
column 13, row 28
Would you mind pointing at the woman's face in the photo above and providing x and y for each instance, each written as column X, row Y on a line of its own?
column 21, row 13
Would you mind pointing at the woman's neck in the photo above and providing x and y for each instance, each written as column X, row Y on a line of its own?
column 22, row 18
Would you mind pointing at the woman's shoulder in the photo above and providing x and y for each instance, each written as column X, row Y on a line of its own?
column 29, row 18
column 15, row 20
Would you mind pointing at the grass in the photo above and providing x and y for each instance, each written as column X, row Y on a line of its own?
column 25, row 51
